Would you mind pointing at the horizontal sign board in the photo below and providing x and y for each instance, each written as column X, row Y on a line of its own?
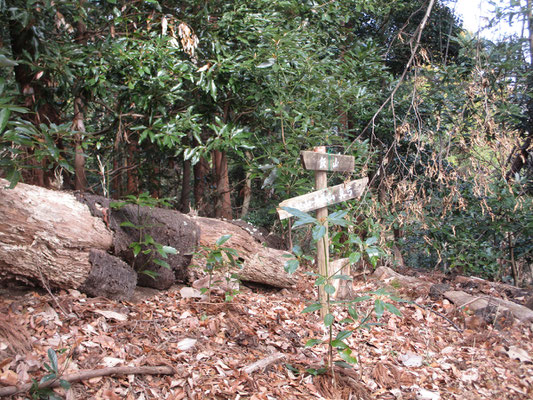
column 324, row 197
column 327, row 162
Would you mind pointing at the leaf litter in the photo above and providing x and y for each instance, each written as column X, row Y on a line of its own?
column 211, row 345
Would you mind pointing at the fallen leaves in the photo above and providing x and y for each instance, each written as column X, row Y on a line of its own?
column 254, row 348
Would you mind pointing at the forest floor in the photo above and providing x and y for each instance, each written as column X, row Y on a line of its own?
column 419, row 355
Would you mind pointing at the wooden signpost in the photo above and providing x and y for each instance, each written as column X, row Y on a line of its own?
column 321, row 163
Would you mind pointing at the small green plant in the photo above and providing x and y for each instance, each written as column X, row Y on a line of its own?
column 350, row 320
column 224, row 259
column 156, row 252
column 41, row 389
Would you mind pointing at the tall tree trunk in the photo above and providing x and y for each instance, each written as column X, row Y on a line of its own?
column 185, row 187
column 132, row 185
column 116, row 178
column 247, row 189
column 78, row 123
column 223, row 206
column 201, row 170
column 79, row 159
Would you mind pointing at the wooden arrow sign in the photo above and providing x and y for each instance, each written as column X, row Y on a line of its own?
column 324, row 197
column 316, row 161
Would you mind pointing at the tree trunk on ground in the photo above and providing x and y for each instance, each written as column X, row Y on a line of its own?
column 260, row 264
column 52, row 239
column 47, row 238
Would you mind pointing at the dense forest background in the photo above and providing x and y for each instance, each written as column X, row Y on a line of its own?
column 210, row 102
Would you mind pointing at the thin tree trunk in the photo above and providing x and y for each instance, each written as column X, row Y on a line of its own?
column 185, row 187
column 132, row 186
column 247, row 190
column 78, row 121
column 201, row 170
column 223, row 206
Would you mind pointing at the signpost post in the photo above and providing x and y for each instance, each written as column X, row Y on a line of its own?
column 321, row 163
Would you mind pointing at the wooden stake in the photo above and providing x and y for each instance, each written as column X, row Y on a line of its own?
column 322, row 247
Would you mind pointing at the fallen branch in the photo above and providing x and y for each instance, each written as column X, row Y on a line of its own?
column 84, row 375
column 263, row 363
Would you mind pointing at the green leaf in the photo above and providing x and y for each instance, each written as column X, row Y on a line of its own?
column 64, row 384
column 338, row 344
column 316, row 372
column 329, row 319
column 4, row 118
column 343, row 335
column 371, row 240
column 329, row 289
column 342, row 277
column 312, row 342
column 320, row 280
column 52, row 356
column 353, row 312
column 337, row 218
column 223, row 239
column 354, row 257
column 49, row 377
column 149, row 273
column 372, row 252
column 136, row 247
column 291, row 266
column 270, row 62
column 360, row 299
column 291, row 368
column 297, row 250
column 162, row 263
column 346, row 355
column 319, row 231
column 312, row 307
column 393, row 309
column 379, row 308
column 128, row 224
column 169, row 250
column 303, row 217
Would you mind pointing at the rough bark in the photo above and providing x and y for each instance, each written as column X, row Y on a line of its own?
column 223, row 206
column 260, row 264
column 201, row 170
column 52, row 239
column 166, row 227
column 46, row 236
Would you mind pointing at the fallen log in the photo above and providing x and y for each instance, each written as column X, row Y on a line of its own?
column 475, row 303
column 260, row 264
column 54, row 239
column 46, row 239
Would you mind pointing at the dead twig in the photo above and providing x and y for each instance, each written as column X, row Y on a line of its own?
column 84, row 375
column 440, row 315
column 263, row 363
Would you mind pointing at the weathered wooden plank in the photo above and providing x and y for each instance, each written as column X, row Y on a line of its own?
column 317, row 161
column 325, row 197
